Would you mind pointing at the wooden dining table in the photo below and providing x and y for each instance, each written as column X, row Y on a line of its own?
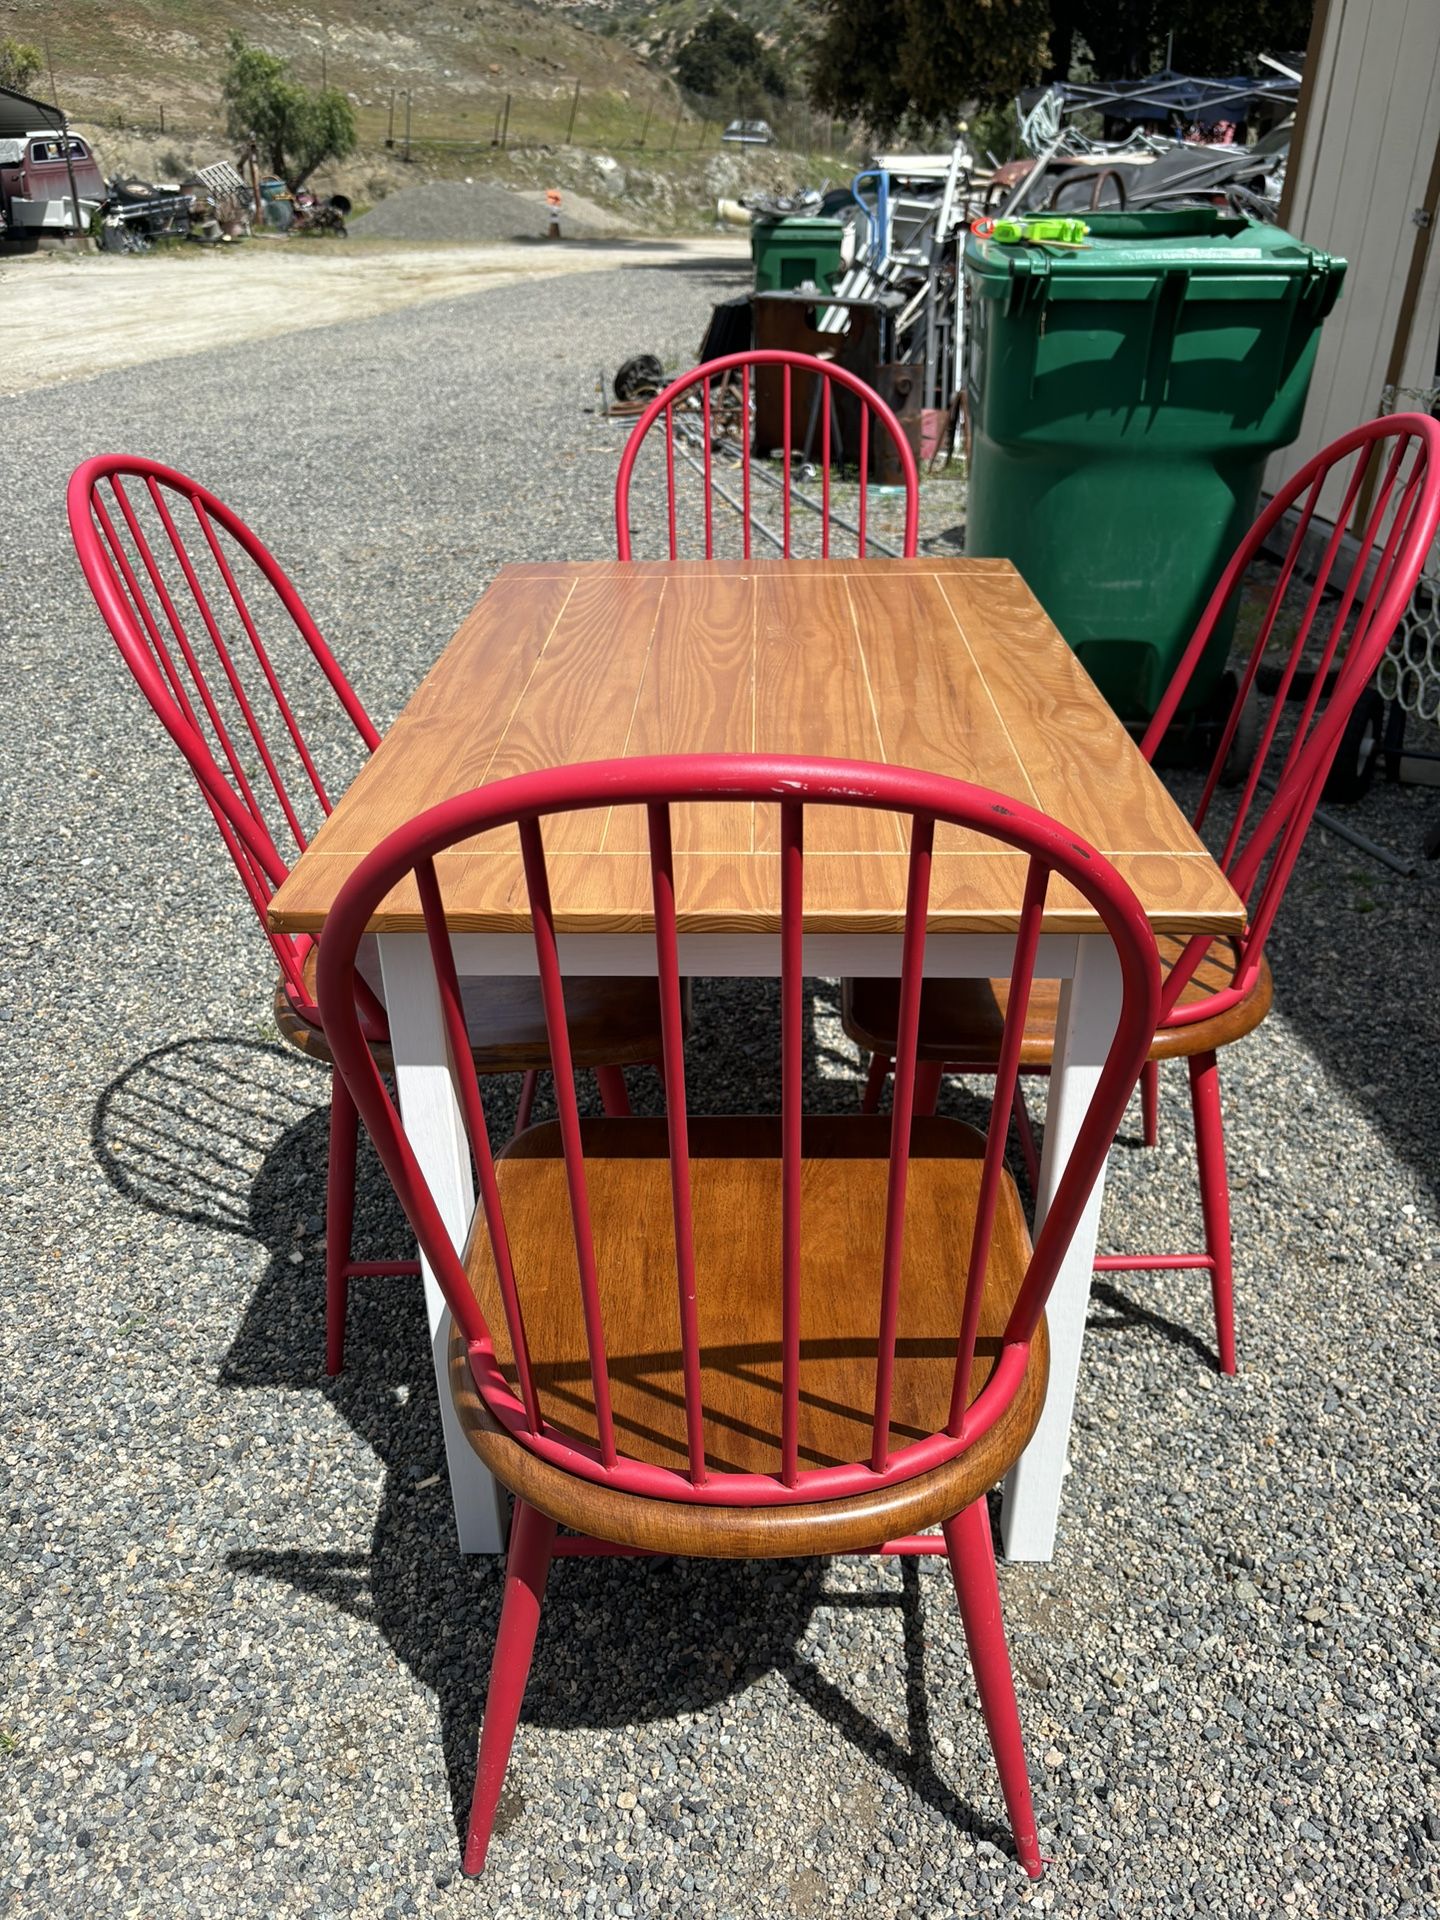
column 948, row 665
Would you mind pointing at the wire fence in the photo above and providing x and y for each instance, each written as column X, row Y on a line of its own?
column 507, row 120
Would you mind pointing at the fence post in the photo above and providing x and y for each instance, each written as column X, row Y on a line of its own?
column 675, row 130
column 407, row 123
column 701, row 141
column 574, row 109
column 390, row 135
column 505, row 124
column 650, row 108
column 252, row 156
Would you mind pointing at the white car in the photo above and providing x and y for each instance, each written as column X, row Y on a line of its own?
column 749, row 133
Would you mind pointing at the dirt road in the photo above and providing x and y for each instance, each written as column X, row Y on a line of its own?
column 66, row 318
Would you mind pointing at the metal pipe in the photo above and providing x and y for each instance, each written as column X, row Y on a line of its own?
column 70, row 175
column 928, row 396
column 1395, row 862
column 1033, row 177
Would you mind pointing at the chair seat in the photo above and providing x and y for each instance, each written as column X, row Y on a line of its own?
column 961, row 1021
column 736, row 1189
column 612, row 1022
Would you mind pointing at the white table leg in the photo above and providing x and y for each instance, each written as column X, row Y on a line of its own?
column 436, row 1132
column 1089, row 1010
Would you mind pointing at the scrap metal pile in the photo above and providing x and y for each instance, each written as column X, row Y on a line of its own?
column 51, row 183
column 211, row 205
column 870, row 276
column 1167, row 141
column 891, row 294
column 867, row 277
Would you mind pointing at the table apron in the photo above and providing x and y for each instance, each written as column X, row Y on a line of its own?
column 734, row 956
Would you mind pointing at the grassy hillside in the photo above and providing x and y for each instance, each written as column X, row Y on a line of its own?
column 143, row 77
column 457, row 59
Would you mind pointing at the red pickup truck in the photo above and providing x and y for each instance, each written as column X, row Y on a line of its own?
column 35, row 180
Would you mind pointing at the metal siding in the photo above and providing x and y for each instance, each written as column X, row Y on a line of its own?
column 1369, row 144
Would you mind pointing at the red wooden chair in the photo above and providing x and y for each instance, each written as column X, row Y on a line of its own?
column 652, row 1347
column 691, row 409
column 201, row 627
column 1385, row 476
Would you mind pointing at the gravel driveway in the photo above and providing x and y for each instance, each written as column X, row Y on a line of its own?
column 242, row 1664
column 69, row 317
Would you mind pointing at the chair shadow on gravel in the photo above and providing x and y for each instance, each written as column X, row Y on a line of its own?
column 1127, row 1314
column 225, row 1133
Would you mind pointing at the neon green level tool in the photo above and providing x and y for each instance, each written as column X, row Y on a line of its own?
column 1052, row 231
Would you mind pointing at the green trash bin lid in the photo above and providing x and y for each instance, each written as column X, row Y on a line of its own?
column 797, row 226
column 1125, row 253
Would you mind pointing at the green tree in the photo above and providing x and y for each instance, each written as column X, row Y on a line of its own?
column 1129, row 38
column 898, row 63
column 297, row 128
column 1229, row 35
column 895, row 63
column 19, row 63
column 723, row 54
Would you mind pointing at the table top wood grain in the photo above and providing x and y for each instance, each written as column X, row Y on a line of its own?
column 946, row 665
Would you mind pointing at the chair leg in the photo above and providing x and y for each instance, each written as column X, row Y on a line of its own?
column 1150, row 1102
column 927, row 1084
column 613, row 1097
column 527, row 1563
column 972, row 1567
column 875, row 1083
column 526, row 1102
column 339, row 1218
column 1214, row 1198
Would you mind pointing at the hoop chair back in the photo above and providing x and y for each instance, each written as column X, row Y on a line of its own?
column 536, row 1405
column 1350, row 596
column 692, row 409
column 202, row 613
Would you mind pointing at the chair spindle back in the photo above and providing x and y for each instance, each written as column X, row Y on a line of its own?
column 720, row 398
column 1345, row 585
column 208, row 622
column 514, row 1395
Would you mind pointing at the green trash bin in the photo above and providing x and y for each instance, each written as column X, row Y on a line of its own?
column 1122, row 401
column 789, row 250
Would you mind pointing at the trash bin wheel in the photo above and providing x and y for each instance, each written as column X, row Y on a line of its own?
column 1358, row 754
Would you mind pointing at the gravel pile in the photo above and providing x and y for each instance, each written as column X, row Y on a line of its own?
column 243, row 1664
column 457, row 210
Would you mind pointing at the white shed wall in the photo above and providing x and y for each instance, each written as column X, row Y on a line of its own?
column 1366, row 162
